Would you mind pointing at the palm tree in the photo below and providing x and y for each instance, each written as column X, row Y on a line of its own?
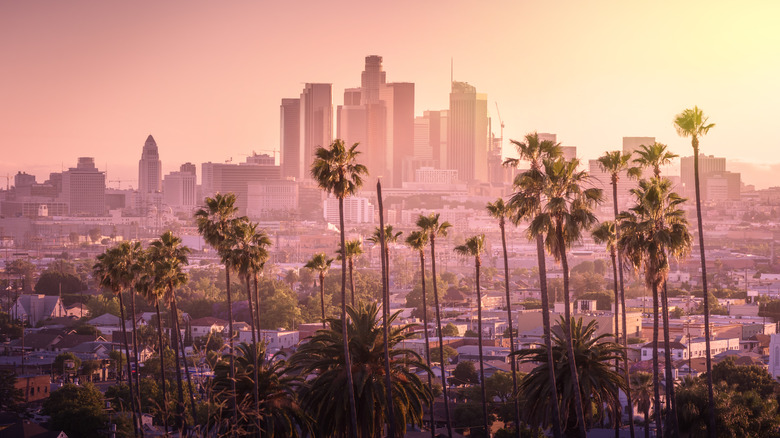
column 692, row 123
column 614, row 163
column 168, row 258
column 152, row 290
column 501, row 211
column 326, row 395
column 528, row 196
column 136, row 254
column 417, row 240
column 354, row 249
column 391, row 236
column 643, row 390
column 474, row 247
column 605, row 234
column 567, row 212
column 337, row 171
column 216, row 223
column 597, row 382
column 321, row 263
column 115, row 271
column 259, row 249
column 649, row 232
column 430, row 225
column 277, row 412
column 654, row 156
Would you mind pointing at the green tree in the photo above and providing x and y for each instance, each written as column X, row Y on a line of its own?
column 448, row 351
column 526, row 202
column 53, row 282
column 642, row 384
column 692, row 123
column 597, row 381
column 216, row 223
column 465, row 373
column 59, row 363
column 11, row 397
column 337, row 171
column 430, row 225
column 326, row 394
column 77, row 410
column 450, row 330
column 320, row 263
column 24, row 269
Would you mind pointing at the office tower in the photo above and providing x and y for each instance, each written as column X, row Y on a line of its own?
column 179, row 188
column 316, row 124
column 569, row 152
column 633, row 144
column 371, row 79
column 149, row 169
column 468, row 137
column 708, row 166
column 271, row 197
column 398, row 98
column 290, row 137
column 84, row 189
column 351, row 119
column 236, row 178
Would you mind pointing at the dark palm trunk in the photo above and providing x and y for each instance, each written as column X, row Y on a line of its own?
column 481, row 360
column 322, row 297
column 256, row 392
column 352, row 280
column 135, row 356
column 613, row 256
column 233, row 395
column 186, row 365
column 710, row 394
column 672, row 428
column 656, row 379
column 344, row 333
column 162, row 367
column 441, row 337
column 385, row 312
column 647, row 423
column 427, row 342
column 136, row 416
column 626, row 370
column 556, row 412
column 175, row 345
column 575, row 378
column 511, row 327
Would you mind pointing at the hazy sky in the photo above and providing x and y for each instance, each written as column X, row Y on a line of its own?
column 94, row 78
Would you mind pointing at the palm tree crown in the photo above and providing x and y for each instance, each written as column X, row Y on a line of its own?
column 534, row 151
column 692, row 123
column 336, row 170
column 654, row 156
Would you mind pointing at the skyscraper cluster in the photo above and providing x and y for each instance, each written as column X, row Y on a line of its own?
column 379, row 115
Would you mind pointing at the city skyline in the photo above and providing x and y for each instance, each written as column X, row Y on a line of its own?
column 207, row 81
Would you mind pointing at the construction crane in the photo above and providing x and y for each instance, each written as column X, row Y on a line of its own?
column 502, row 125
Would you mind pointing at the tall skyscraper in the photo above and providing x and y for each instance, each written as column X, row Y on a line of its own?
column 371, row 79
column 709, row 166
column 351, row 119
column 467, row 147
column 236, row 178
column 149, row 169
column 398, row 99
column 84, row 189
column 316, row 124
column 290, row 135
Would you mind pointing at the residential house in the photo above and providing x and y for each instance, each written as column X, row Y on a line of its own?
column 37, row 307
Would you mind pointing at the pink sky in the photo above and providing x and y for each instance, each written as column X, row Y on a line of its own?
column 94, row 78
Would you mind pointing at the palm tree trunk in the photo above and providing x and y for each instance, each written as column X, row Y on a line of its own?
column 556, row 411
column 322, row 297
column 233, row 395
column 427, row 342
column 711, row 428
column 186, row 366
column 352, row 281
column 481, row 360
column 626, row 369
column 575, row 378
column 135, row 355
column 672, row 428
column 162, row 367
column 391, row 431
column 256, row 392
column 647, row 423
column 613, row 256
column 175, row 344
column 511, row 328
column 656, row 380
column 441, row 337
column 344, row 333
column 136, row 416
